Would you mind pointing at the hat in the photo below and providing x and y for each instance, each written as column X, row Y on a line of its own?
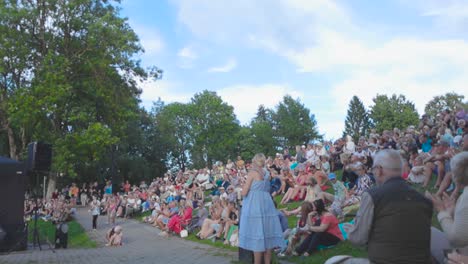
column 442, row 143
column 221, row 188
column 332, row 176
column 303, row 146
column 319, row 144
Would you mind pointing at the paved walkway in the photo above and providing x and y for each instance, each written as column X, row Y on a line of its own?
column 142, row 244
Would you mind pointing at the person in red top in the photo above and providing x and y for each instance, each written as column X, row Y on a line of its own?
column 326, row 234
column 127, row 187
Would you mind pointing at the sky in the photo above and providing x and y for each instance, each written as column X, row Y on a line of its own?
column 323, row 52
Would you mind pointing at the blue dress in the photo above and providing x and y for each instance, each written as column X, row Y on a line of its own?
column 260, row 227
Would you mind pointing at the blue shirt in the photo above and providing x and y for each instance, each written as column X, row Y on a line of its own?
column 426, row 146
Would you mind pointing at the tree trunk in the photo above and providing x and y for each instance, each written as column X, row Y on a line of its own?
column 11, row 142
column 51, row 184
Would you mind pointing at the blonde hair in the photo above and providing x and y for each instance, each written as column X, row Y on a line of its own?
column 259, row 160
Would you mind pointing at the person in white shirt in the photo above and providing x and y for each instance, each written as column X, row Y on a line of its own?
column 95, row 211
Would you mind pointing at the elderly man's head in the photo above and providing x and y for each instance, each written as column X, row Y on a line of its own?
column 465, row 142
column 388, row 164
column 459, row 165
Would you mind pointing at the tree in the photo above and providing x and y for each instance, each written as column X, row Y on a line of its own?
column 442, row 102
column 214, row 129
column 174, row 123
column 357, row 121
column 69, row 77
column 293, row 123
column 394, row 112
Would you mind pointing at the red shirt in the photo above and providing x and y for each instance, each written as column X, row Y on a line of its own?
column 144, row 196
column 333, row 225
column 127, row 187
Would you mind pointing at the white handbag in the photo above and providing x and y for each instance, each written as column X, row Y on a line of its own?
column 184, row 233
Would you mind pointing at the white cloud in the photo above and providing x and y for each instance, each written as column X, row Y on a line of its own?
column 247, row 98
column 187, row 56
column 321, row 37
column 187, row 53
column 230, row 65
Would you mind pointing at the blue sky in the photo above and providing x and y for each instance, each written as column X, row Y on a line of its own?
column 253, row 52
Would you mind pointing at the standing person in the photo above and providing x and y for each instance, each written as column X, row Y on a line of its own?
column 260, row 228
column 394, row 220
column 108, row 188
column 95, row 211
column 84, row 195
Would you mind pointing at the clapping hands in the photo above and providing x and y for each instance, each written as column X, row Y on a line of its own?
column 442, row 203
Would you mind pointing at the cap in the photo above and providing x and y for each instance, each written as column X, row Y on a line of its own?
column 332, row 176
column 303, row 146
column 443, row 143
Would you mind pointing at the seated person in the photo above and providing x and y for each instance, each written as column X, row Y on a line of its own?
column 212, row 225
column 338, row 199
column 298, row 191
column 416, row 174
column 226, row 223
column 452, row 214
column 164, row 217
column 327, row 233
column 295, row 235
column 179, row 221
column 364, row 183
column 114, row 237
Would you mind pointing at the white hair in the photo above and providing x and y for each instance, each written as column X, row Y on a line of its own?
column 389, row 159
column 459, row 165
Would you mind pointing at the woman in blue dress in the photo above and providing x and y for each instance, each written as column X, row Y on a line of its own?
column 260, row 228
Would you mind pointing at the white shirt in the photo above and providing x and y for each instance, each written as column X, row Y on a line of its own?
column 349, row 147
column 203, row 177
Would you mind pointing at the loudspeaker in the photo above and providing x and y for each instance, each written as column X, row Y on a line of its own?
column 39, row 156
column 12, row 187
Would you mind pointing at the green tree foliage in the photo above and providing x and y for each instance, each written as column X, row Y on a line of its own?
column 357, row 121
column 214, row 129
column 293, row 123
column 393, row 112
column 174, row 123
column 442, row 102
column 259, row 136
column 69, row 78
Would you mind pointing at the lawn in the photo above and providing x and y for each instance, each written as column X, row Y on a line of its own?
column 77, row 237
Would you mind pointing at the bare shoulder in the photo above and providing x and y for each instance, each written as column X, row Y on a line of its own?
column 254, row 175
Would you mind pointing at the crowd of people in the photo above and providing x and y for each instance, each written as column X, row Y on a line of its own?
column 377, row 188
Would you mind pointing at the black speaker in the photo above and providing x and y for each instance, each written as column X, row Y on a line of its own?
column 39, row 156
